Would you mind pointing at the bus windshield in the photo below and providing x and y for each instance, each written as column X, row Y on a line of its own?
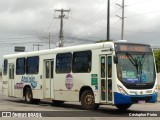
column 136, row 70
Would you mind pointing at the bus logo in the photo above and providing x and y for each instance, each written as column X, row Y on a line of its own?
column 31, row 80
column 69, row 82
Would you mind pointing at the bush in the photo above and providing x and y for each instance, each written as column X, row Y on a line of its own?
column 157, row 59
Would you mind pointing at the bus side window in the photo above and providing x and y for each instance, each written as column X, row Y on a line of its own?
column 63, row 62
column 32, row 65
column 5, row 66
column 109, row 66
column 82, row 62
column 20, row 66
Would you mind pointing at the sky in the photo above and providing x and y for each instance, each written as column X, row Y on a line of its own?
column 29, row 22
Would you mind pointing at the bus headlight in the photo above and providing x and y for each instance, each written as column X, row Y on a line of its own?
column 157, row 88
column 122, row 90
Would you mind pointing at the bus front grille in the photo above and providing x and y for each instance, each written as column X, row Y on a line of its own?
column 136, row 99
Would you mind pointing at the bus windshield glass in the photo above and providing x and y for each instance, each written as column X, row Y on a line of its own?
column 135, row 67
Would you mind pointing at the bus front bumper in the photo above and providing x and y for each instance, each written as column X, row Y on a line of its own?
column 131, row 99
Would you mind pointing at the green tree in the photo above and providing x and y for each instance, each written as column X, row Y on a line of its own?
column 157, row 59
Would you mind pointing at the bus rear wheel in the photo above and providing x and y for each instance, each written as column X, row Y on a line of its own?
column 88, row 100
column 123, row 106
column 28, row 96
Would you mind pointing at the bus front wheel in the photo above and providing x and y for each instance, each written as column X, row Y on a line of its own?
column 123, row 106
column 88, row 100
column 28, row 96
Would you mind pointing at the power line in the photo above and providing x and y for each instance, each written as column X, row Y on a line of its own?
column 38, row 45
column 138, row 3
column 122, row 18
column 50, row 24
column 143, row 14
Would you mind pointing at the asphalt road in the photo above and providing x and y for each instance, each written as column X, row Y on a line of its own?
column 70, row 110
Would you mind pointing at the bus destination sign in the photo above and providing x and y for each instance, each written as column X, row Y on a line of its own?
column 132, row 48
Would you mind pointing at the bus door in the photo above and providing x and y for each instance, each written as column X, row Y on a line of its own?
column 106, row 78
column 48, row 74
column 11, row 80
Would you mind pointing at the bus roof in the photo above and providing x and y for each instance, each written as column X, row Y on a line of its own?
column 109, row 44
column 63, row 49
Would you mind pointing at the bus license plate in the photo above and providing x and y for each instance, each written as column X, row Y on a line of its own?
column 141, row 101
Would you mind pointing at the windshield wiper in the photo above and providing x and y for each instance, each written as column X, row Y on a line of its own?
column 143, row 59
column 137, row 62
column 133, row 61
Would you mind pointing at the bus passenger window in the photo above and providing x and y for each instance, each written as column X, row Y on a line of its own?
column 82, row 62
column 20, row 66
column 63, row 63
column 5, row 65
column 109, row 66
column 32, row 65
column 103, row 67
column 47, row 69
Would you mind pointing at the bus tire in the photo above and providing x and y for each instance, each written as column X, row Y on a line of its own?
column 88, row 100
column 28, row 96
column 123, row 106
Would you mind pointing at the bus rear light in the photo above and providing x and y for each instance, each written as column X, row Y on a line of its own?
column 122, row 90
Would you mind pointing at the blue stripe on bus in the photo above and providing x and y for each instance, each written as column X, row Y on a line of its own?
column 154, row 98
column 126, row 99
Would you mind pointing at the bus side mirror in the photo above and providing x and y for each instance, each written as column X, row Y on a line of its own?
column 115, row 59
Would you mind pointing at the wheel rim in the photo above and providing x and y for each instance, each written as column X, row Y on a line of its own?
column 89, row 100
column 28, row 96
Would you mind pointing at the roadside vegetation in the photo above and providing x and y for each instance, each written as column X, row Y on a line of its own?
column 157, row 59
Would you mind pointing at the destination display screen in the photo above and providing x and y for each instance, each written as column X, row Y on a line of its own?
column 133, row 48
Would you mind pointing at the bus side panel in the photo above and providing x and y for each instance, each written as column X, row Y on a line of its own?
column 72, row 96
column 4, row 85
column 18, row 93
column 95, row 75
column 78, row 80
column 37, row 93
column 69, row 90
column 34, row 81
column 37, row 90
column 18, row 86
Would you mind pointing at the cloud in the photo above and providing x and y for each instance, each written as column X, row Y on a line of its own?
column 32, row 20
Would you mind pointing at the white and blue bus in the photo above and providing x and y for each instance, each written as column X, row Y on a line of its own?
column 111, row 73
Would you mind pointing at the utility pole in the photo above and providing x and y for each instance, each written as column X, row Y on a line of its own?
column 108, row 20
column 61, row 17
column 122, row 18
column 38, row 45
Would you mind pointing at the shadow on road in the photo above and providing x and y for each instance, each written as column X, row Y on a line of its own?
column 77, row 110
